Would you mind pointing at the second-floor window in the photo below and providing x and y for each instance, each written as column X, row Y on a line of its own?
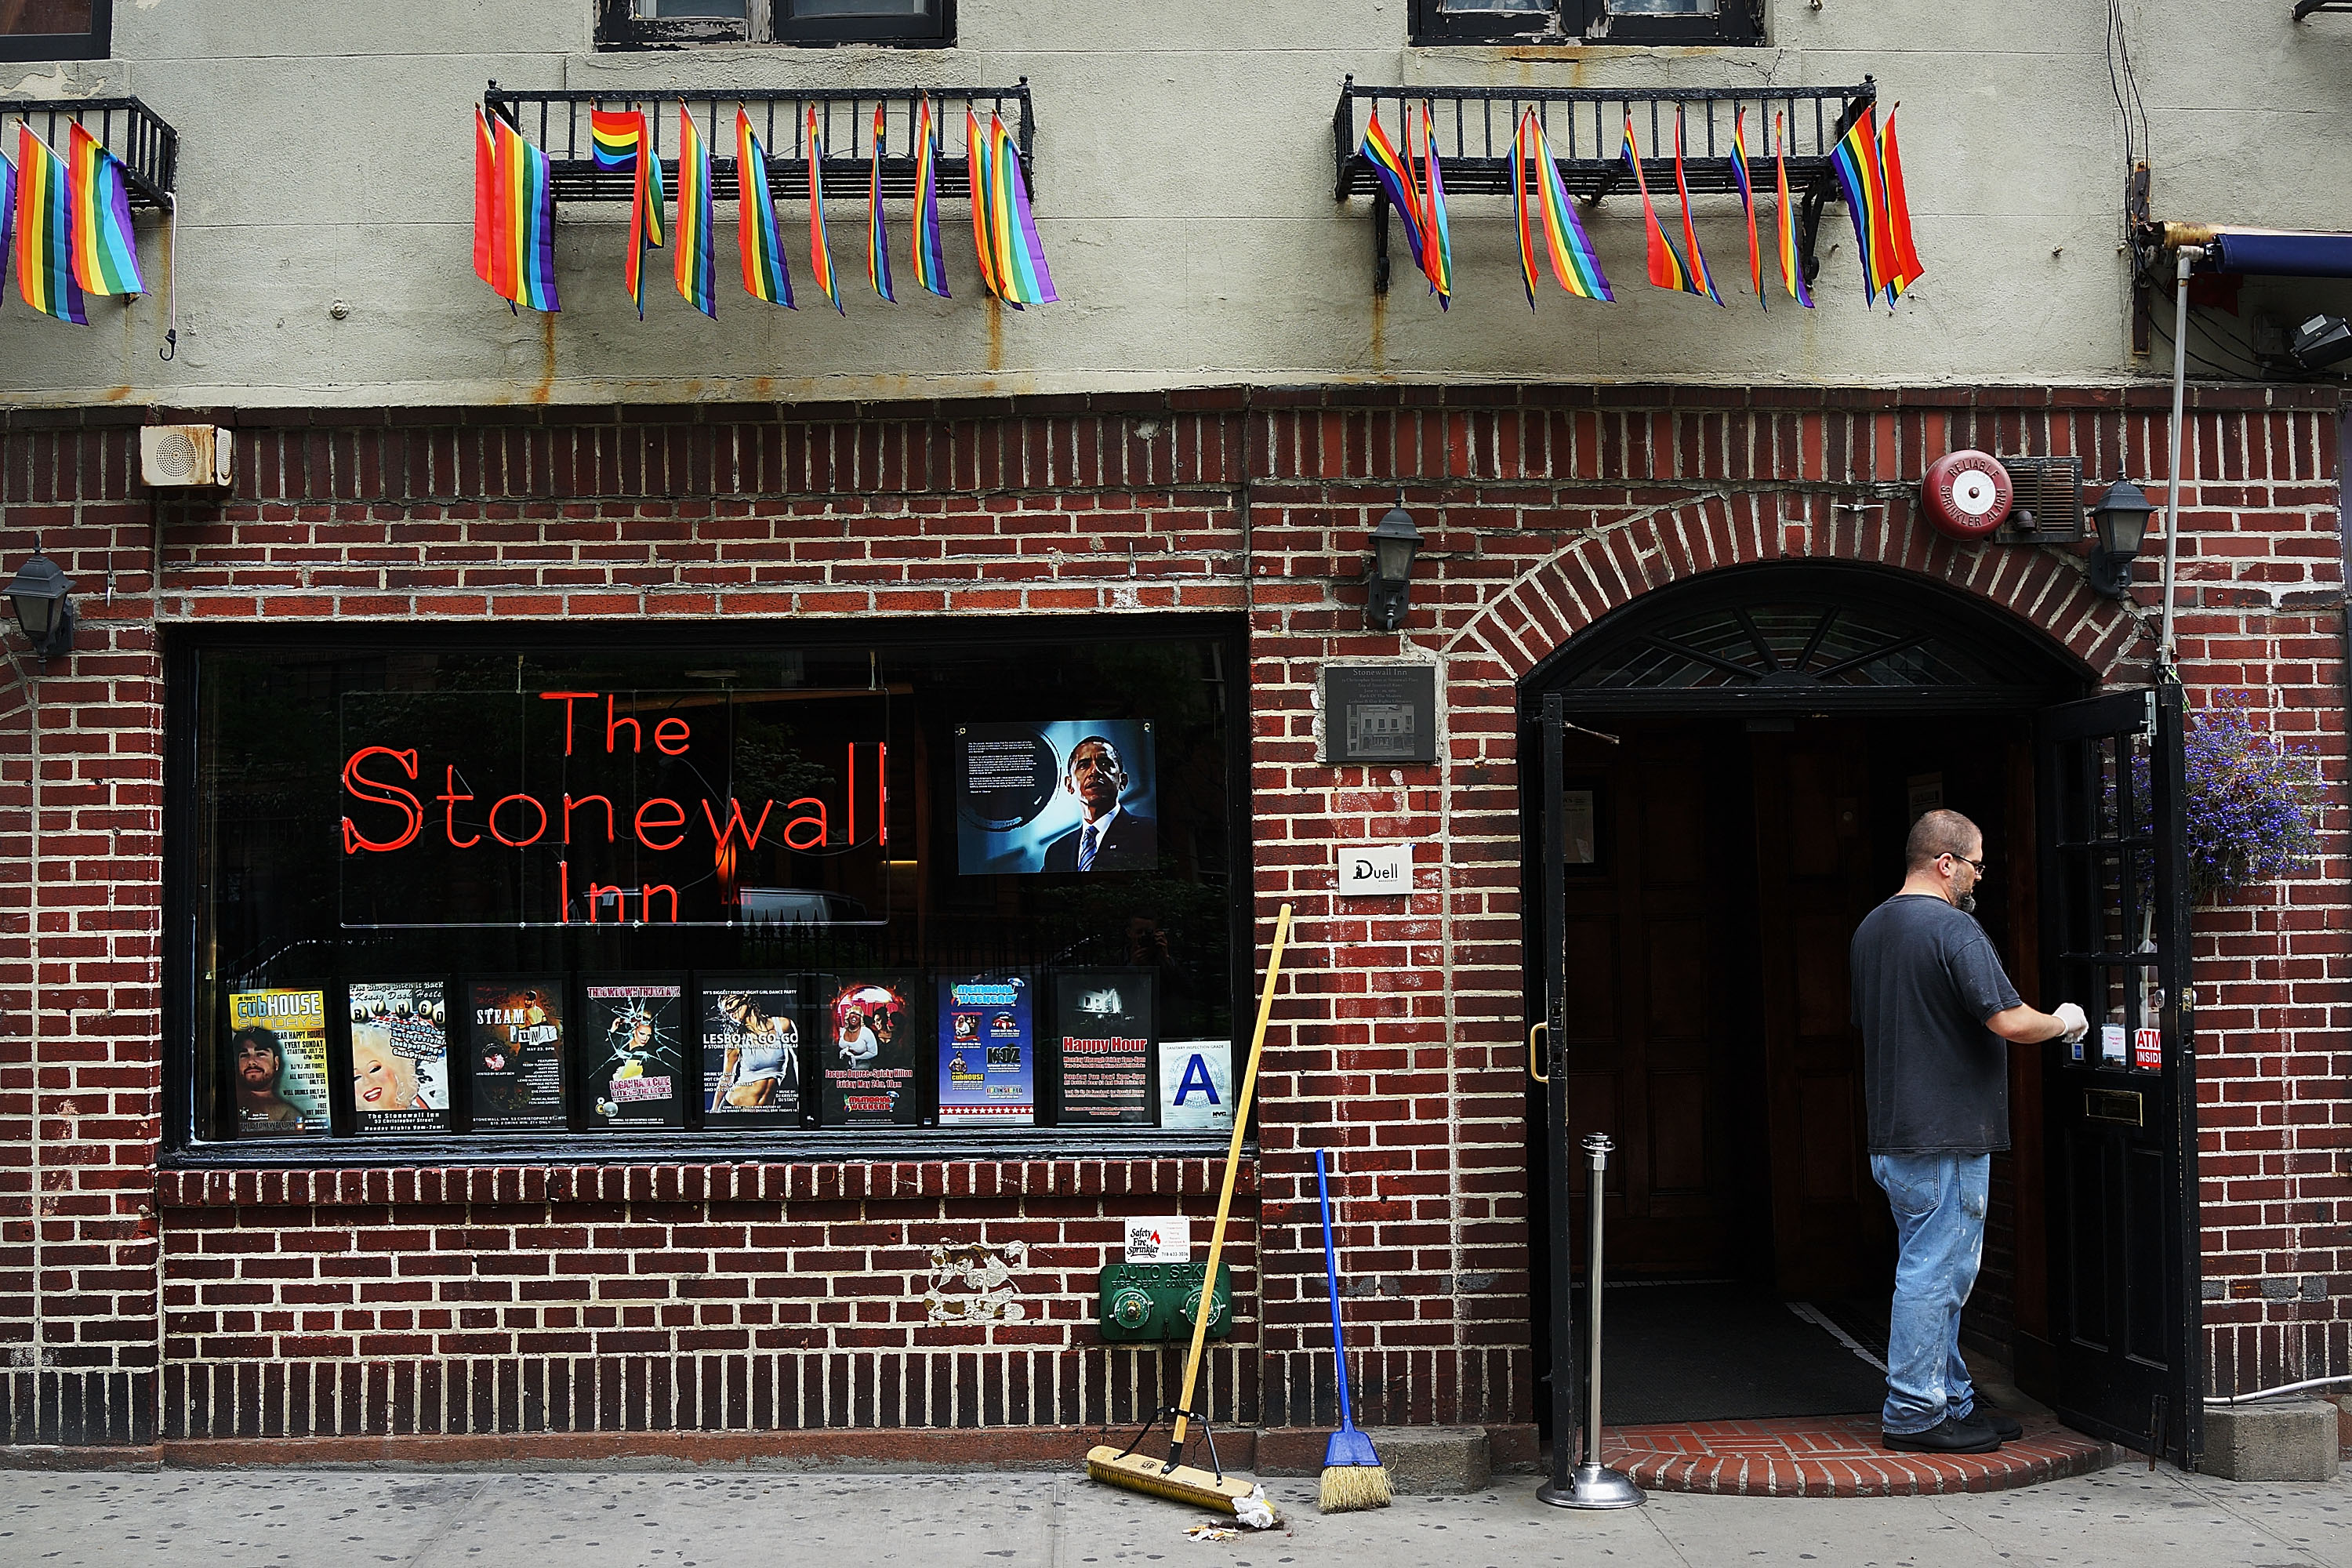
column 55, row 30
column 1587, row 21
column 641, row 24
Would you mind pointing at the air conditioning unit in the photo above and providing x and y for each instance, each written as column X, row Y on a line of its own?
column 2046, row 500
column 186, row 456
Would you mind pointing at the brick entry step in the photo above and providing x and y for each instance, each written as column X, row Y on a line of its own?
column 1836, row 1456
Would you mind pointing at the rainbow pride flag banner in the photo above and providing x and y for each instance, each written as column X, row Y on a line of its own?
column 522, row 221
column 976, row 164
column 765, row 275
column 1667, row 268
column 613, row 137
column 820, row 258
column 622, row 142
column 1698, row 272
column 1792, row 266
column 45, row 276
column 7, row 217
column 1854, row 162
column 877, row 237
column 1747, row 202
column 105, row 250
column 487, row 255
column 930, row 256
column 1539, row 196
column 1019, row 253
column 1394, row 176
column 1906, row 268
column 1437, row 235
column 696, row 264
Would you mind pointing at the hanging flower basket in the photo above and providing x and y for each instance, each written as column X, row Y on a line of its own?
column 2253, row 807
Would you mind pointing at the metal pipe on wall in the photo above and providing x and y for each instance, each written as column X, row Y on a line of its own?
column 2189, row 254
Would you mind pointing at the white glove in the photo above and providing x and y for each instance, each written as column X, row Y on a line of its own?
column 2077, row 1025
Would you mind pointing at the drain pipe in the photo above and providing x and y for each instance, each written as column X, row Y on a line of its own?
column 2213, row 1400
column 2187, row 256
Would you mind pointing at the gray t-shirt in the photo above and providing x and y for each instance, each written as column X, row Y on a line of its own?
column 1925, row 980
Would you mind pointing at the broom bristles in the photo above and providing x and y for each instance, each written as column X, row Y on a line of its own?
column 1348, row 1487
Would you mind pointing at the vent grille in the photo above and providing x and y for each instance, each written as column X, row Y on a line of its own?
column 2048, row 504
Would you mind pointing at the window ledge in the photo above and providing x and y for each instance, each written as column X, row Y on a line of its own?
column 1157, row 1173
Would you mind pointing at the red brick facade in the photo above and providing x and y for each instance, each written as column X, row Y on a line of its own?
column 727, row 1297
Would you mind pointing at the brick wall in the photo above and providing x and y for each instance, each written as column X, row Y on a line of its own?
column 1399, row 1038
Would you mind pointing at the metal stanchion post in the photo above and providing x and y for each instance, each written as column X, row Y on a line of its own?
column 1595, row 1484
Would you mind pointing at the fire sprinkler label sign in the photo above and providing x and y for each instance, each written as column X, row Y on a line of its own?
column 1166, row 1239
column 1367, row 869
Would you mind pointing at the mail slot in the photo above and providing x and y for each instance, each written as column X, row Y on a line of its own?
column 2122, row 1105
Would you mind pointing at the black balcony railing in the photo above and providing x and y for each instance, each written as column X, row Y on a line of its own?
column 557, row 123
column 1585, row 128
column 149, row 148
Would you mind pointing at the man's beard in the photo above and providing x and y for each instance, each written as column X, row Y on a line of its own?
column 1966, row 903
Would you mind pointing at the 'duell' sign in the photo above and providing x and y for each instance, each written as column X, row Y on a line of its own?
column 619, row 800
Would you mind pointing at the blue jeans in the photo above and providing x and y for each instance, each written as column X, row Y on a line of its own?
column 1938, row 1202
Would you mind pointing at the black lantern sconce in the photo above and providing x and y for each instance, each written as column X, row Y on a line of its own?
column 2121, row 520
column 41, row 597
column 1390, row 580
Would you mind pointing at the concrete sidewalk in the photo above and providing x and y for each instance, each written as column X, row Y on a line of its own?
column 2127, row 1517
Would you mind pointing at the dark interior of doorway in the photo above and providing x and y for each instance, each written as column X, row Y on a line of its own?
column 1717, row 867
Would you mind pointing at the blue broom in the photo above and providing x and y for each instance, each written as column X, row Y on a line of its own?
column 1353, row 1475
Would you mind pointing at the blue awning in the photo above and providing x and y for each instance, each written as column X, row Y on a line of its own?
column 2283, row 253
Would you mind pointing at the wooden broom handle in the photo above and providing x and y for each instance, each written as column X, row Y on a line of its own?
column 1233, row 1165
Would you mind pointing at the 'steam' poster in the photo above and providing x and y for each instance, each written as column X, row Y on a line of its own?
column 988, row 1054
column 751, row 1057
column 873, row 1049
column 516, row 1055
column 1196, row 1085
column 277, row 1062
column 1103, row 1019
column 400, row 1056
column 633, row 1045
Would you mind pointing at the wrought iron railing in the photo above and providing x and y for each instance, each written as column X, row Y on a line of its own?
column 557, row 123
column 149, row 148
column 1475, row 129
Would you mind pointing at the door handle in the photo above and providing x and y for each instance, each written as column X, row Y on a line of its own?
column 1534, row 1070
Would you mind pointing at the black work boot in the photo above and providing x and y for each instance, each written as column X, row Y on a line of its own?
column 1949, row 1436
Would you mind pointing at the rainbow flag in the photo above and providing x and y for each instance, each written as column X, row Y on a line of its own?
column 1698, row 271
column 1747, row 202
column 820, row 258
column 696, row 265
column 1573, row 261
column 1666, row 269
column 765, row 275
column 45, row 279
column 877, row 237
column 622, row 142
column 976, row 160
column 7, row 217
column 1394, row 176
column 931, row 255
column 1792, row 266
column 1437, row 235
column 1907, row 269
column 1019, row 253
column 105, row 251
column 488, row 253
column 614, row 135
column 1854, row 162
column 523, row 229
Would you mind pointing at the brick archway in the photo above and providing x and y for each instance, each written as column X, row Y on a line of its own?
column 1575, row 587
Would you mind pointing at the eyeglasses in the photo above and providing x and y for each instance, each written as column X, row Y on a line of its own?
column 1975, row 866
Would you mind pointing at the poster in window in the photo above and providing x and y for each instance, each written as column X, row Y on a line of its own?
column 277, row 1062
column 988, row 1053
column 750, row 1051
column 633, row 1045
column 517, row 1055
column 1196, row 1085
column 400, row 1056
column 1103, row 1020
column 1079, row 796
column 875, row 1053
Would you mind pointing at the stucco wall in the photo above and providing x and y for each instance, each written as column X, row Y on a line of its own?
column 1185, row 171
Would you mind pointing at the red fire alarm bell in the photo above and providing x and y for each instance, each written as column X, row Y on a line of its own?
column 1967, row 494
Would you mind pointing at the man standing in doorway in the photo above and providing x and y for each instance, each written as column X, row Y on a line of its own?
column 1934, row 1006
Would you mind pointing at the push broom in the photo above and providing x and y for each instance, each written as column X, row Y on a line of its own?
column 1210, row 1489
column 1353, row 1475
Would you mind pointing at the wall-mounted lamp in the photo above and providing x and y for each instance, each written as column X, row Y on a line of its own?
column 40, row 595
column 1390, row 580
column 2121, row 519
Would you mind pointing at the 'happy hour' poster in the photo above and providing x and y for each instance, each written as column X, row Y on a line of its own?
column 1103, row 1021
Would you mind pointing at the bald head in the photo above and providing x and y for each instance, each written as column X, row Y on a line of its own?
column 1941, row 833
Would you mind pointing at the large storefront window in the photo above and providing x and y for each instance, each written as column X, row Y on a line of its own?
column 459, row 892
